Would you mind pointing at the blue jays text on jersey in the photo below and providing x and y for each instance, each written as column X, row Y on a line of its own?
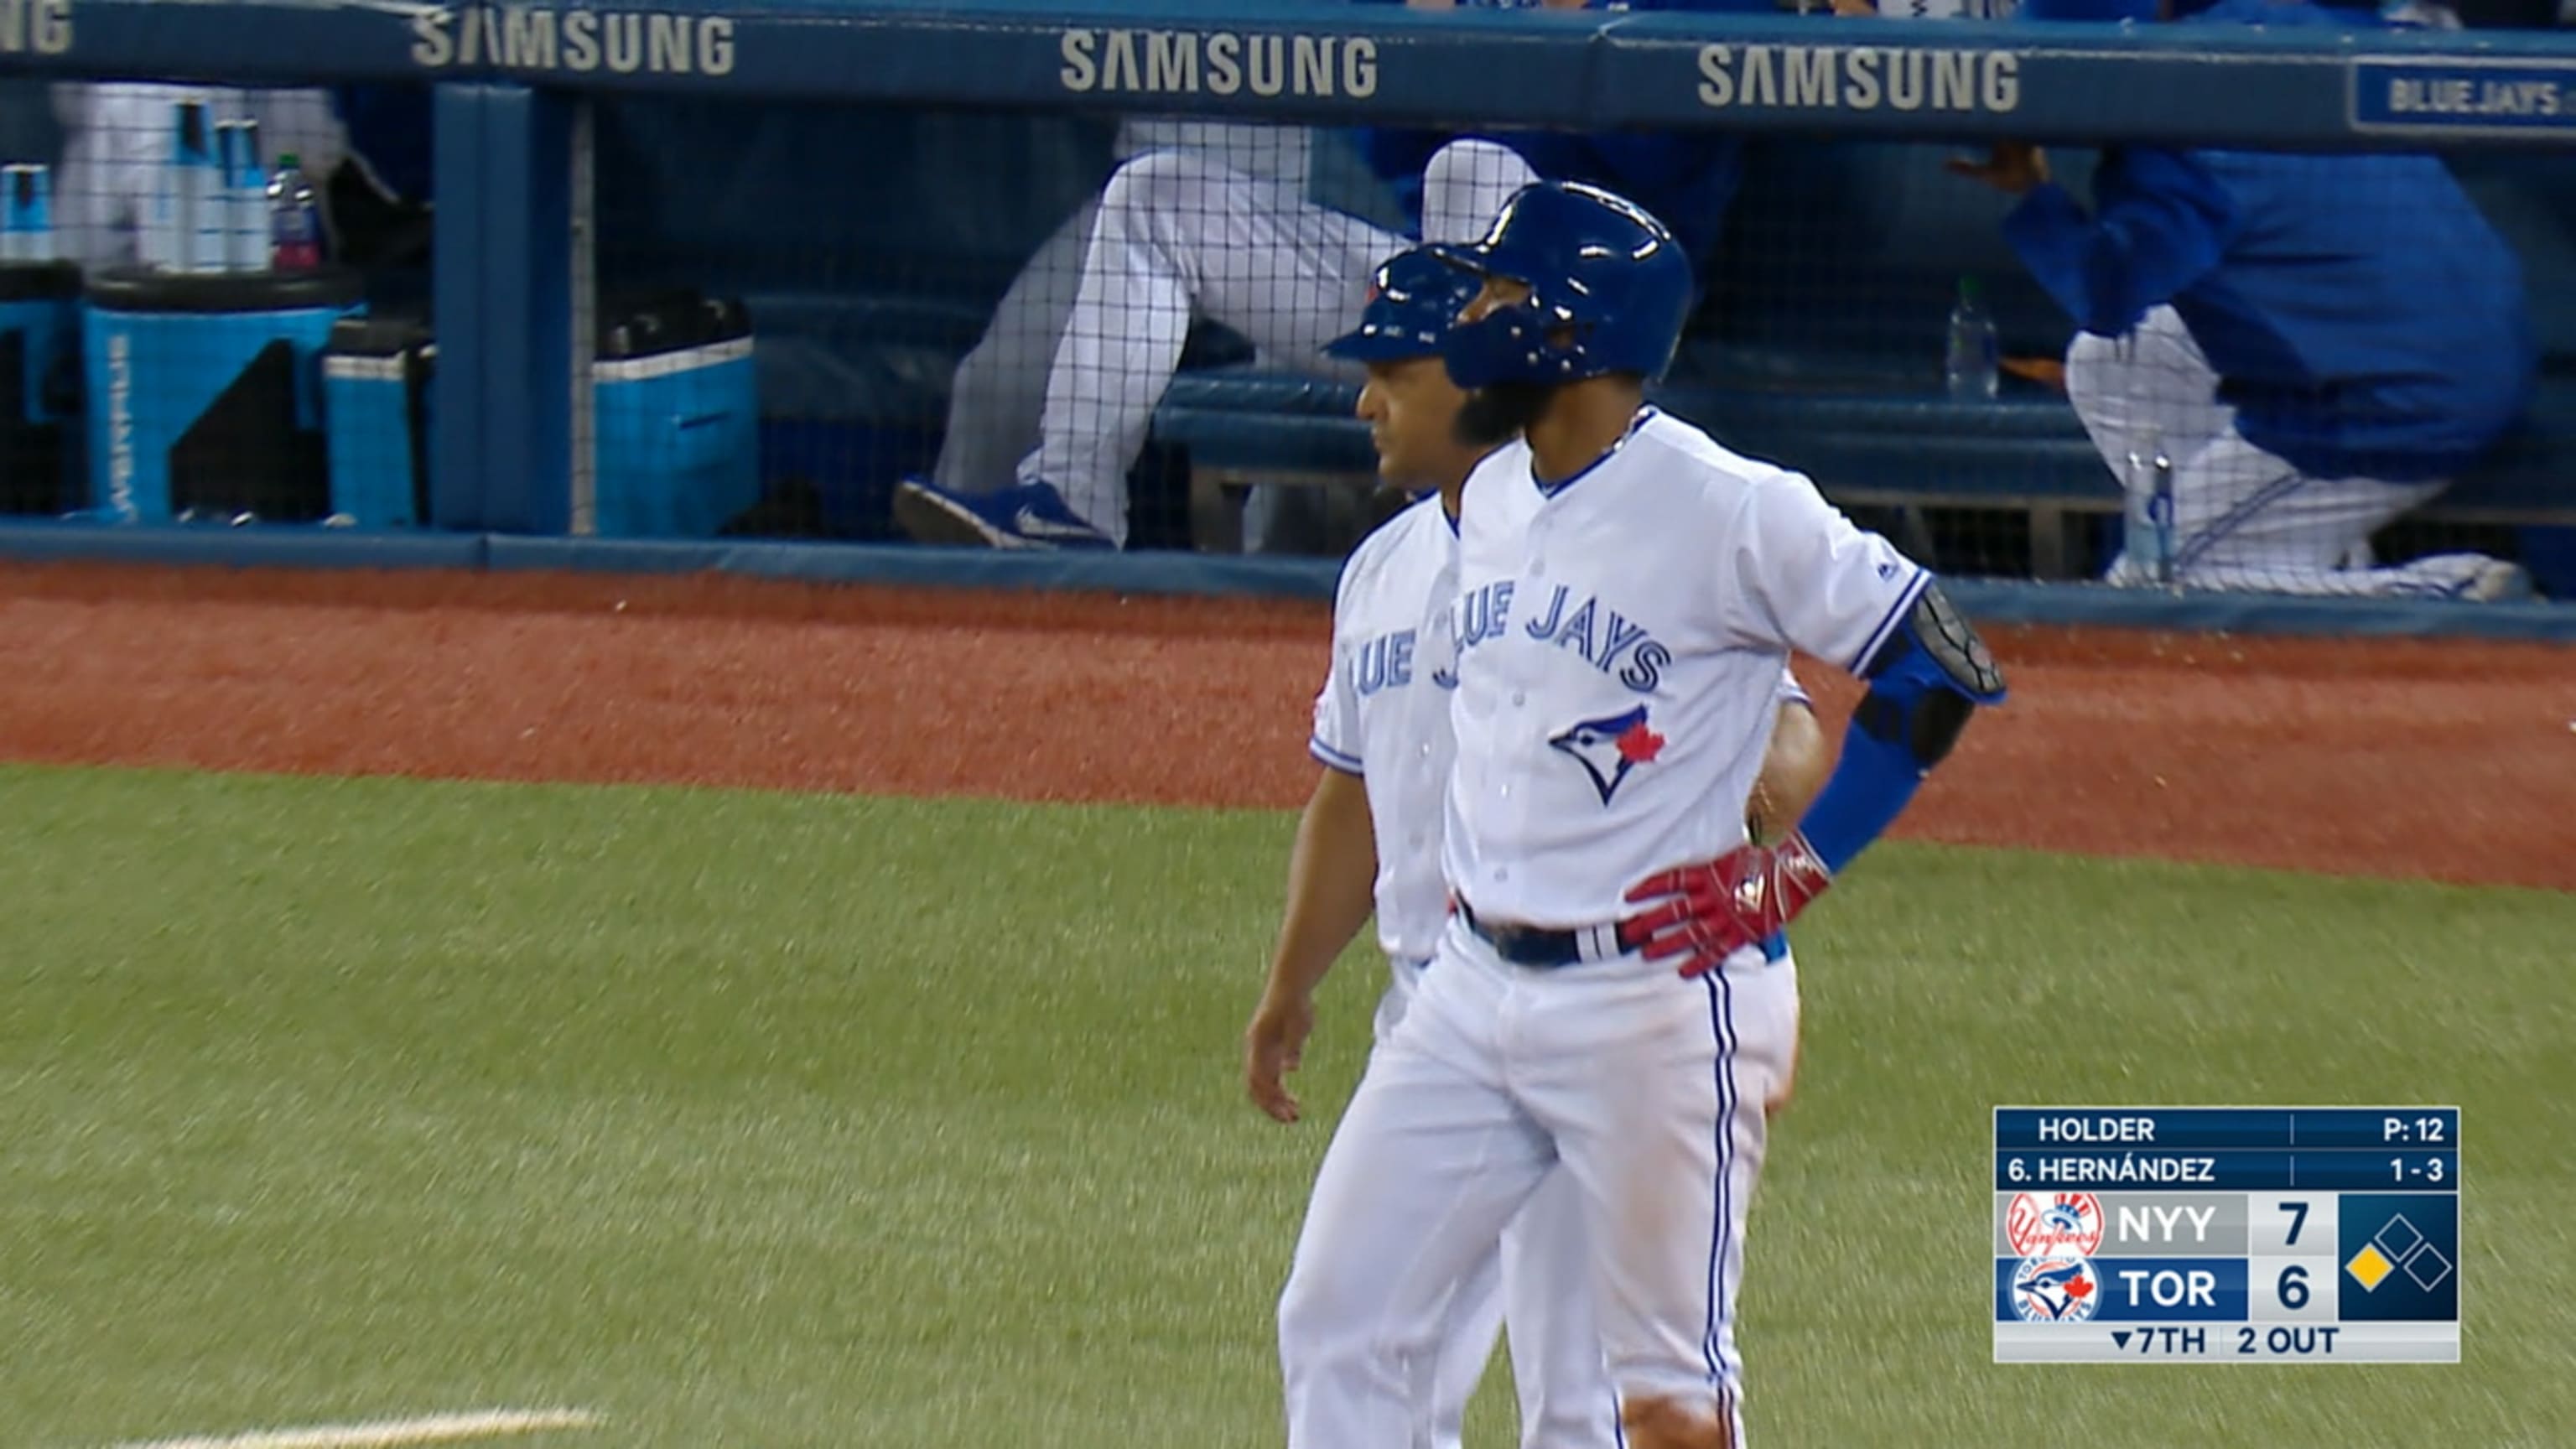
column 1386, row 661
column 1607, row 639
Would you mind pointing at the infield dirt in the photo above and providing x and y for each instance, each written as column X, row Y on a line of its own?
column 2427, row 759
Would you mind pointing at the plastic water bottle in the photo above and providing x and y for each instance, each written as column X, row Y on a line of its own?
column 2148, row 535
column 294, row 222
column 1968, row 361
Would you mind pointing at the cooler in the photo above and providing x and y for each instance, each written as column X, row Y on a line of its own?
column 677, row 418
column 375, row 407
column 206, row 393
column 39, row 386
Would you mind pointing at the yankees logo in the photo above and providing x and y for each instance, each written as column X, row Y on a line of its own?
column 2040, row 1224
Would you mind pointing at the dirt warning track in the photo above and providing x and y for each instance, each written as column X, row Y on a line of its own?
column 2435, row 759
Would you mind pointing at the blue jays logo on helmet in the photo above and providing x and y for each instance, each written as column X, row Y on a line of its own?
column 1609, row 747
column 1609, row 290
column 1413, row 299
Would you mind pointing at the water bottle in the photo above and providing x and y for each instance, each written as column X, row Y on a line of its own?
column 1968, row 362
column 294, row 222
column 2149, row 530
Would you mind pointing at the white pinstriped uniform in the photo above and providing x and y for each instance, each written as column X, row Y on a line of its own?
column 1621, row 638
column 1384, row 715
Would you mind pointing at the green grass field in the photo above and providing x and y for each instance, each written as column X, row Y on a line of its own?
column 762, row 1120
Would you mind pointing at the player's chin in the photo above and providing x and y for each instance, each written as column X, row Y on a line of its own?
column 1498, row 413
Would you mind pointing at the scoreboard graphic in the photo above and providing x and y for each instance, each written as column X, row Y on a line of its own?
column 2227, row 1234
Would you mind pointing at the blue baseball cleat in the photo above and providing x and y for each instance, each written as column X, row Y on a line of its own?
column 1032, row 515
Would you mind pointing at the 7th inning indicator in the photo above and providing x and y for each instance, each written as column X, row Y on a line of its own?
column 2227, row 1234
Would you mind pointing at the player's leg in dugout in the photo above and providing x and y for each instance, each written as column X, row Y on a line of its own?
column 2142, row 395
column 2243, row 518
column 1655, row 1088
column 997, row 390
column 1182, row 236
column 1431, row 1159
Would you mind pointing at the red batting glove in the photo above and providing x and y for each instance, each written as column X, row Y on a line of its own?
column 1708, row 912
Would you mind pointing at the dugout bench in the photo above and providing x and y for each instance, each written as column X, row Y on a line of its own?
column 2022, row 455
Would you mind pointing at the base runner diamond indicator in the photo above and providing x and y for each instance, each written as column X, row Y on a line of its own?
column 2428, row 1268
column 2370, row 1267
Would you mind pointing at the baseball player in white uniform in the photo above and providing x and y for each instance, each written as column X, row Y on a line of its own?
column 1370, row 837
column 1604, row 998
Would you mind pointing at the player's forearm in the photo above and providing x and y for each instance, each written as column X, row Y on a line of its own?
column 1332, row 876
column 1794, row 768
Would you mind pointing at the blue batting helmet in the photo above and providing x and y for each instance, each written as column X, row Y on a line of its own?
column 1609, row 290
column 1413, row 298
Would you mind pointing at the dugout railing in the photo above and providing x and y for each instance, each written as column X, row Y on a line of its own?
column 582, row 156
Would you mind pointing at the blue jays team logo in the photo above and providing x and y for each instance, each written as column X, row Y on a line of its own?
column 2059, row 1288
column 1609, row 747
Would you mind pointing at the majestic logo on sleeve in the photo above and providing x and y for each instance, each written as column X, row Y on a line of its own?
column 1609, row 747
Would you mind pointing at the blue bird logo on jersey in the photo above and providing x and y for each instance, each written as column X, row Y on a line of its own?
column 1609, row 747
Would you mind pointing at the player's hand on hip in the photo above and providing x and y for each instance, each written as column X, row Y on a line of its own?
column 1273, row 1046
column 1701, row 914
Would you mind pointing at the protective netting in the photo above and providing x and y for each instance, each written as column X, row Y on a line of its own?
column 1052, row 325
column 1032, row 331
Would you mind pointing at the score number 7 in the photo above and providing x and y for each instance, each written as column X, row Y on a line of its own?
column 2298, row 1212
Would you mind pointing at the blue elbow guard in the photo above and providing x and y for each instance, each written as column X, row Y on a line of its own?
column 1924, row 682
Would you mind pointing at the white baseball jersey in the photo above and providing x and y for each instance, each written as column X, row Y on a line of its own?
column 1383, row 713
column 1619, row 641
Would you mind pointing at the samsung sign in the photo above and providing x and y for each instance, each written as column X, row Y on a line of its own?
column 1858, row 78
column 542, row 38
column 1216, row 63
column 43, row 27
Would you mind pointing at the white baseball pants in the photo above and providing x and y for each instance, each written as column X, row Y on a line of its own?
column 995, row 394
column 1643, row 1090
column 1178, row 236
column 2243, row 518
column 1539, row 1283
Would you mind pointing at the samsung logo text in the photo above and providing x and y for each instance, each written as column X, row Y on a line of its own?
column 1217, row 63
column 540, row 38
column 1858, row 78
column 43, row 26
